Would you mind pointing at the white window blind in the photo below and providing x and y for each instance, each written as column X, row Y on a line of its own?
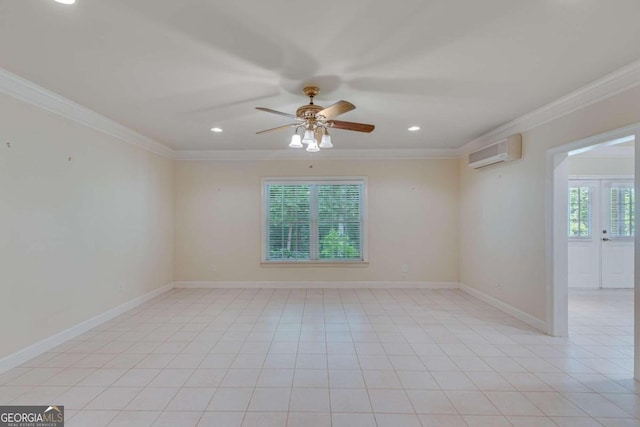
column 313, row 220
column 580, row 212
column 622, row 214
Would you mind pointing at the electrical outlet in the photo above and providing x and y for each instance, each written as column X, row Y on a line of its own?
column 405, row 268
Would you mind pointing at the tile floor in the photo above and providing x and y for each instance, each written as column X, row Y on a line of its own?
column 251, row 357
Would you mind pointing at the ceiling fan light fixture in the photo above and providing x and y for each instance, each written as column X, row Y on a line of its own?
column 308, row 137
column 315, row 120
column 325, row 142
column 295, row 141
column 313, row 147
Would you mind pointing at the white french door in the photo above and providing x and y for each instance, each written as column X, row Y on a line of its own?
column 601, row 230
column 617, row 234
column 584, row 242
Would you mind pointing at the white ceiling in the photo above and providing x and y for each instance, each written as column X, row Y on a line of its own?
column 458, row 68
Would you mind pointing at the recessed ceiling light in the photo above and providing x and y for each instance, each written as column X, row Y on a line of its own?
column 414, row 128
column 65, row 1
column 216, row 130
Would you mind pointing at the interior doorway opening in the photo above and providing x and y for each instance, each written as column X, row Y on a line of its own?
column 591, row 245
column 601, row 216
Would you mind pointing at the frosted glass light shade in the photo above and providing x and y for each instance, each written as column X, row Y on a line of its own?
column 326, row 141
column 295, row 141
column 313, row 147
column 308, row 137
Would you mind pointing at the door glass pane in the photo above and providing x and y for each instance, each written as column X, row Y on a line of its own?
column 622, row 213
column 580, row 212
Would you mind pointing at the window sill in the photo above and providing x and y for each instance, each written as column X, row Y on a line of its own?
column 314, row 264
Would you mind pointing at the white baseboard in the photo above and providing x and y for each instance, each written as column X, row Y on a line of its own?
column 42, row 346
column 509, row 309
column 316, row 285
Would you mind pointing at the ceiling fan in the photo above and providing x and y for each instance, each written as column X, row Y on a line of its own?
column 316, row 121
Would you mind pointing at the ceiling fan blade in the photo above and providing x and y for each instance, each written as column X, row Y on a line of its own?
column 269, row 110
column 358, row 127
column 279, row 128
column 336, row 109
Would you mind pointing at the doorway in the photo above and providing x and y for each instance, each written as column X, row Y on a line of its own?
column 610, row 187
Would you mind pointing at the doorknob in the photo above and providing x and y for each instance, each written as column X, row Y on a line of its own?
column 605, row 239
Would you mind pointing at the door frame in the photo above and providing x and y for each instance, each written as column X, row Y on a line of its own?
column 557, row 241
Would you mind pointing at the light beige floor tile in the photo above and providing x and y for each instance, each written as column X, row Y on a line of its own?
column 152, row 399
column 191, row 399
column 240, row 378
column 171, row 378
column 114, row 398
column 309, row 400
column 265, row 419
column 309, row 419
column 394, row 420
column 102, row 377
column 442, row 421
column 221, row 419
column 346, row 378
column 79, row 397
column 431, row 402
column 90, row 418
column 175, row 418
column 275, row 378
column 486, row 421
column 596, row 405
column 576, row 422
column 390, row 401
column 318, row 378
column 471, row 403
column 232, row 350
column 525, row 421
column 137, row 378
column 512, row 403
column 349, row 400
column 270, row 399
column 353, row 420
column 134, row 419
column 381, row 379
column 554, row 404
column 230, row 399
column 453, row 380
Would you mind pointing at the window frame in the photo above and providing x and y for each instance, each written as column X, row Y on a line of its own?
column 347, row 180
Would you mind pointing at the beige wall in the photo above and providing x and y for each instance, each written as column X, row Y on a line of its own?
column 412, row 211
column 601, row 165
column 79, row 236
column 502, row 210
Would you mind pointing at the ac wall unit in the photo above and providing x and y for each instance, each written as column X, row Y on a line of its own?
column 506, row 150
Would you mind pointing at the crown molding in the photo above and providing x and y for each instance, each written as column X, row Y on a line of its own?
column 31, row 93
column 623, row 79
column 336, row 153
column 612, row 84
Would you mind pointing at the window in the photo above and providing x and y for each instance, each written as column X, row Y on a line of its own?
column 622, row 214
column 580, row 212
column 320, row 220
